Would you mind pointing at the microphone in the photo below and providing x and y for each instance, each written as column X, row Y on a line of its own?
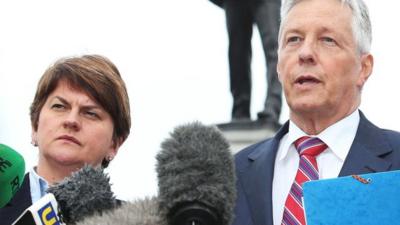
column 196, row 177
column 12, row 170
column 196, row 184
column 85, row 193
column 139, row 212
column 42, row 212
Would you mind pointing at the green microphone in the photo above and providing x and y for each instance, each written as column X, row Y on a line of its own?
column 12, row 170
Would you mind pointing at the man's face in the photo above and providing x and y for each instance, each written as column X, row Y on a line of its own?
column 319, row 65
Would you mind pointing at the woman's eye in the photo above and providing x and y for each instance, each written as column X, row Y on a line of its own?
column 92, row 114
column 57, row 106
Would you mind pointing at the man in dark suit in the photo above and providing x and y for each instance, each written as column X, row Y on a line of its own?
column 323, row 62
column 241, row 15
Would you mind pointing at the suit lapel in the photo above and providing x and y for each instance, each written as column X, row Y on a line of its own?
column 365, row 155
column 23, row 195
column 257, row 178
column 21, row 200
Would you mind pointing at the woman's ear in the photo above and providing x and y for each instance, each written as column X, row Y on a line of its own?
column 116, row 143
column 34, row 138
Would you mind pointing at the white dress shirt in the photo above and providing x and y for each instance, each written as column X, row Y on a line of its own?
column 339, row 138
column 37, row 184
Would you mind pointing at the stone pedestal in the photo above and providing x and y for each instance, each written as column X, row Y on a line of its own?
column 242, row 134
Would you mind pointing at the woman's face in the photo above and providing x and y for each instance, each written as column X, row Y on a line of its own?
column 73, row 129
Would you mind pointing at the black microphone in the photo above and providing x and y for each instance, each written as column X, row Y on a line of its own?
column 139, row 212
column 196, row 177
column 84, row 193
column 12, row 170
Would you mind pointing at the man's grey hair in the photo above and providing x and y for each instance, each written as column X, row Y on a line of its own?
column 361, row 22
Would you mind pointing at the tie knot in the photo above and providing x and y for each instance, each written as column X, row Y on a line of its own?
column 310, row 146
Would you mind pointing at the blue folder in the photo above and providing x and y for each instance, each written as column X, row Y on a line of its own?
column 365, row 199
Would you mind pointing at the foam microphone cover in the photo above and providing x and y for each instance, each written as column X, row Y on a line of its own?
column 138, row 212
column 195, row 169
column 84, row 193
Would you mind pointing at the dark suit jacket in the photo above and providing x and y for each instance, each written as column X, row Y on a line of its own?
column 373, row 150
column 21, row 201
column 218, row 2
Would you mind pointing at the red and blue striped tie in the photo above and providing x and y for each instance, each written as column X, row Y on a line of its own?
column 308, row 148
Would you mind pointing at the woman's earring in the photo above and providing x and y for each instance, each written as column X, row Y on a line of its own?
column 106, row 161
column 34, row 143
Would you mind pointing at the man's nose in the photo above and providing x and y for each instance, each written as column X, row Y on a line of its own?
column 307, row 53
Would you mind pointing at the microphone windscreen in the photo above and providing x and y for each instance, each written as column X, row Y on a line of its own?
column 84, row 193
column 12, row 170
column 139, row 212
column 196, row 165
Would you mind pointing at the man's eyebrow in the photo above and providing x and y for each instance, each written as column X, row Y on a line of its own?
column 292, row 30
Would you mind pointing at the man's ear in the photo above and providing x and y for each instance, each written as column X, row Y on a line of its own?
column 367, row 64
column 278, row 70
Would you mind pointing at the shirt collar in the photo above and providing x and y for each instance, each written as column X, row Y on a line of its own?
column 38, row 185
column 344, row 130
